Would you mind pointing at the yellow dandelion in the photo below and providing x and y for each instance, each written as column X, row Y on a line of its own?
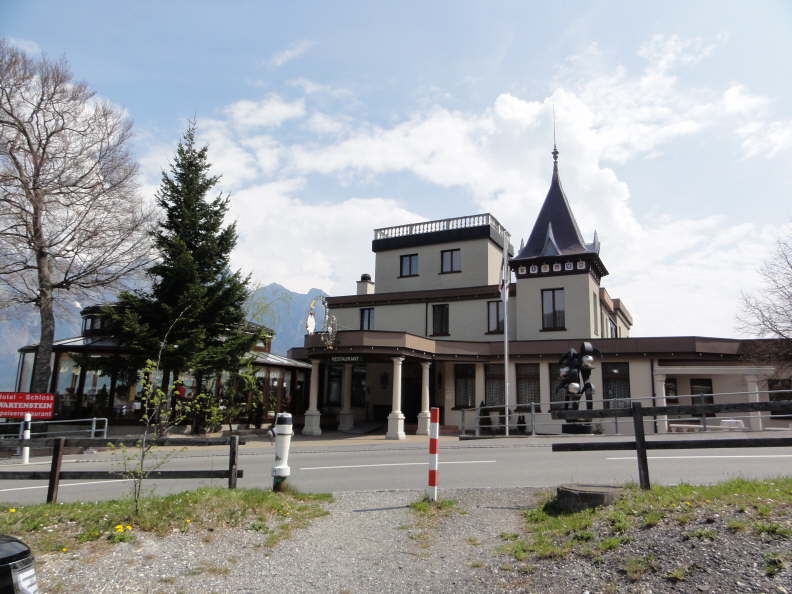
column 65, row 549
column 12, row 510
column 188, row 521
column 129, row 527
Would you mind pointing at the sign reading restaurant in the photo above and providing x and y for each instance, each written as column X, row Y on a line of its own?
column 346, row 359
column 15, row 404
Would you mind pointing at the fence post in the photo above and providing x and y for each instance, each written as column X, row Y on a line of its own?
column 93, row 427
column 26, row 435
column 54, row 478
column 640, row 446
column 233, row 461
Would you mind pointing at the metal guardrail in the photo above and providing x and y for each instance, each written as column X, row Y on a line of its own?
column 697, row 416
column 98, row 427
column 440, row 225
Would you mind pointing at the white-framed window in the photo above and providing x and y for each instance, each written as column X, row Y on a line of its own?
column 366, row 318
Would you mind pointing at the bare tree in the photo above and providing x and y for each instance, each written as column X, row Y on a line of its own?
column 768, row 313
column 71, row 219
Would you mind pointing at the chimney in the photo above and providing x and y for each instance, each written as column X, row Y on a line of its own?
column 365, row 286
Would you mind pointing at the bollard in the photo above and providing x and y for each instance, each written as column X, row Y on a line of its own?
column 434, row 435
column 26, row 435
column 283, row 435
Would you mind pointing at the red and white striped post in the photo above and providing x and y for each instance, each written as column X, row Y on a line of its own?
column 434, row 435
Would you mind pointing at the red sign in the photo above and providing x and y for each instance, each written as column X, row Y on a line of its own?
column 15, row 404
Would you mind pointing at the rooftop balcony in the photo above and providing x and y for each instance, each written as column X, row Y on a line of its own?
column 468, row 222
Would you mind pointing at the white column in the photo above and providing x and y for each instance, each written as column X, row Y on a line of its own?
column 660, row 400
column 423, row 416
column 312, row 415
column 754, row 418
column 544, row 386
column 346, row 421
column 396, row 418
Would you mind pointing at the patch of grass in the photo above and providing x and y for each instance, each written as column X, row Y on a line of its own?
column 430, row 508
column 772, row 529
column 774, row 563
column 472, row 540
column 703, row 534
column 509, row 535
column 47, row 528
column 678, row 574
column 610, row 544
column 636, row 567
column 652, row 518
column 736, row 526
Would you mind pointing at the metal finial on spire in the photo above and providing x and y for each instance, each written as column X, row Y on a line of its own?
column 555, row 148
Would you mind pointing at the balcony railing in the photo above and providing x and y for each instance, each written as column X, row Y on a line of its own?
column 478, row 220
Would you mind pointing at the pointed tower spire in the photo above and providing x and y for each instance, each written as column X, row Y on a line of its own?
column 555, row 148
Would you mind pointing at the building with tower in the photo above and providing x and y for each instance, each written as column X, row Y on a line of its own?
column 428, row 330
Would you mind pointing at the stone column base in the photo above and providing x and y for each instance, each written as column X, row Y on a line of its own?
column 346, row 421
column 395, row 426
column 662, row 424
column 312, row 423
column 423, row 423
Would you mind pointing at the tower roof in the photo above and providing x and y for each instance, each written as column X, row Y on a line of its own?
column 555, row 232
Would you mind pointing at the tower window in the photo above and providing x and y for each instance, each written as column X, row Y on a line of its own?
column 409, row 265
column 553, row 309
column 450, row 261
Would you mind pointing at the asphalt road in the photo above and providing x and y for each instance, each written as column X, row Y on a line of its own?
column 477, row 464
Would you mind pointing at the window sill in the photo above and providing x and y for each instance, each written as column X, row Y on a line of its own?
column 553, row 330
column 407, row 275
column 446, row 334
column 450, row 272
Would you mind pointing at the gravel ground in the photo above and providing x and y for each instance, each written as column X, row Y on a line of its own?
column 368, row 543
column 373, row 542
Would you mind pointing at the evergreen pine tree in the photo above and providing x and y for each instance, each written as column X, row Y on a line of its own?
column 193, row 317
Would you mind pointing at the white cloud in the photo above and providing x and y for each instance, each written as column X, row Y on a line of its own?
column 310, row 87
column 271, row 111
column 301, row 245
column 292, row 52
column 736, row 99
column 767, row 139
column 26, row 45
column 666, row 51
column 324, row 124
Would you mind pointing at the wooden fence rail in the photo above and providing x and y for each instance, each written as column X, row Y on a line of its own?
column 55, row 475
column 641, row 445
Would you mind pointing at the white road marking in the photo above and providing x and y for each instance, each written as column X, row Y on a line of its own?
column 707, row 457
column 396, row 464
column 66, row 485
column 32, row 463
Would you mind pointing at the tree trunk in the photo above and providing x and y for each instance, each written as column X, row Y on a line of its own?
column 41, row 367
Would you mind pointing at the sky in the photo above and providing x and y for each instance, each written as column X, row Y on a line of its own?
column 330, row 119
